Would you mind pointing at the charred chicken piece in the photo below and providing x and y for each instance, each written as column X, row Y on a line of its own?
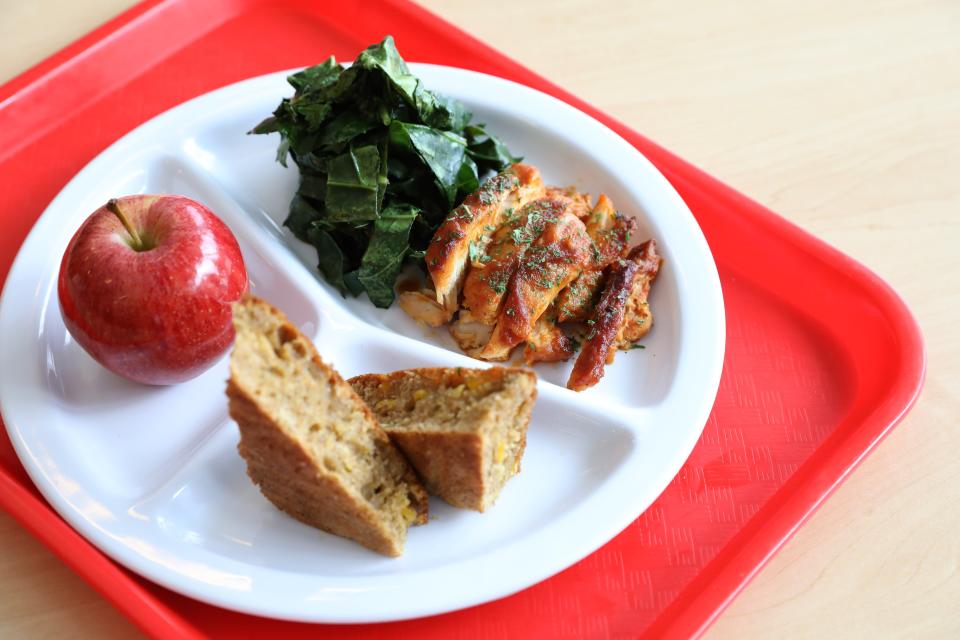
column 471, row 224
column 610, row 233
column 622, row 312
column 554, row 259
column 576, row 302
column 609, row 230
column 578, row 203
column 547, row 342
column 486, row 283
column 638, row 318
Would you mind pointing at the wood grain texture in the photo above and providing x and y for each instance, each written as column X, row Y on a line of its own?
column 841, row 116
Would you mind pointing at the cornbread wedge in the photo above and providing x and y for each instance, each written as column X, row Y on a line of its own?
column 464, row 430
column 310, row 443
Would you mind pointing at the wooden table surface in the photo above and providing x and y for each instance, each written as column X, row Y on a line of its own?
column 844, row 117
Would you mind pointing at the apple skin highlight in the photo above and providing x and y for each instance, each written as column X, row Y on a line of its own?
column 156, row 308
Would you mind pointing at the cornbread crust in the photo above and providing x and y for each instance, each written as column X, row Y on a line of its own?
column 451, row 464
column 468, row 437
column 306, row 469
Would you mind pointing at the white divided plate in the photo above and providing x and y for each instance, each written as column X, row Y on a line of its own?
column 151, row 476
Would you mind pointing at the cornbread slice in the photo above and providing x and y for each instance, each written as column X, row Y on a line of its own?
column 464, row 430
column 311, row 444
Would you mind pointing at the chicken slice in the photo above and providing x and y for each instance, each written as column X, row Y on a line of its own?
column 471, row 224
column 637, row 322
column 550, row 264
column 638, row 318
column 601, row 216
column 422, row 306
column 579, row 203
column 486, row 283
column 610, row 233
column 577, row 301
column 627, row 287
column 470, row 335
column 547, row 342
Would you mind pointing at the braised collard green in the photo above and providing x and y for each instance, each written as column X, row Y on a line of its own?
column 382, row 159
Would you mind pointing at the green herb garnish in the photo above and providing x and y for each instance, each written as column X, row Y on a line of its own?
column 474, row 253
column 382, row 160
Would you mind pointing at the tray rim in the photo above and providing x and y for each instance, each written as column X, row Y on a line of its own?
column 688, row 616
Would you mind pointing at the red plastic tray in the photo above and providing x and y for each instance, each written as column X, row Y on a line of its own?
column 822, row 359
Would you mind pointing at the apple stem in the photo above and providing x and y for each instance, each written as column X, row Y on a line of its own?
column 113, row 206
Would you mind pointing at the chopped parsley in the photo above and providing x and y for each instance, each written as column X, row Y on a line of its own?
column 520, row 236
column 474, row 251
column 498, row 282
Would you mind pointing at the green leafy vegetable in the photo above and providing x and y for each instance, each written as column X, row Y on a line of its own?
column 487, row 150
column 352, row 185
column 442, row 151
column 330, row 257
column 382, row 160
column 383, row 259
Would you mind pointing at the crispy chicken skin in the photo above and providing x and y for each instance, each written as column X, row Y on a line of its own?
column 486, row 283
column 623, row 304
column 610, row 233
column 548, row 266
column 472, row 223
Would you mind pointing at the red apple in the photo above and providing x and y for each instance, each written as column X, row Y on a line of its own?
column 146, row 284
